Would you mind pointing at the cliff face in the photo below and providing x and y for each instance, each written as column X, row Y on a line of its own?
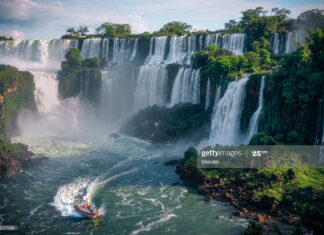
column 161, row 124
column 16, row 93
column 292, row 196
column 80, row 77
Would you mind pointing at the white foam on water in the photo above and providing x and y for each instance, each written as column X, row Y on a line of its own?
column 69, row 194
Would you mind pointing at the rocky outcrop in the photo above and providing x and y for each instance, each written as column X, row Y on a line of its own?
column 80, row 77
column 262, row 195
column 14, row 157
column 16, row 93
column 161, row 124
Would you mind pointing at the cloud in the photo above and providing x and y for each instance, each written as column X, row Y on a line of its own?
column 54, row 17
column 51, row 18
column 13, row 33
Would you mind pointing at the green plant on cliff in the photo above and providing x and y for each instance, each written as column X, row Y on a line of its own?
column 280, row 191
column 174, row 28
column 160, row 124
column 112, row 30
column 17, row 92
column 80, row 76
column 295, row 88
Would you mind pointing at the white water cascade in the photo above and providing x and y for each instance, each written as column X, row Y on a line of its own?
column 29, row 54
column 276, row 43
column 186, row 88
column 226, row 115
column 157, row 50
column 151, row 87
column 254, row 121
column 207, row 103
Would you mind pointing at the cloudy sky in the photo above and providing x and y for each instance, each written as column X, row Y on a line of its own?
column 43, row 19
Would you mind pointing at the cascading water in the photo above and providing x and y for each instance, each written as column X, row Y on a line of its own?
column 54, row 117
column 276, row 43
column 151, row 87
column 118, row 175
column 143, row 85
column 234, row 42
column 207, row 103
column 91, row 48
column 28, row 54
column 226, row 115
column 254, row 121
column 157, row 50
column 186, row 88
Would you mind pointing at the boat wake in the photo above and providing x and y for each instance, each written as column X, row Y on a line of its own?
column 69, row 194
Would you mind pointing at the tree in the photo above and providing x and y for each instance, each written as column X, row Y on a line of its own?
column 212, row 49
column 174, row 28
column 251, row 15
column 83, row 30
column 253, row 59
column 74, row 58
column 112, row 30
column 282, row 14
column 232, row 26
column 71, row 30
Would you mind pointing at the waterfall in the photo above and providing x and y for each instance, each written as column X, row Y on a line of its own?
column 212, row 39
column 276, row 43
column 234, row 42
column 122, row 50
column 207, row 102
column 91, row 48
column 226, row 115
column 54, row 116
column 186, row 88
column 151, row 87
column 254, row 121
column 157, row 50
column 135, row 49
column 45, row 53
column 46, row 91
column 182, row 49
column 289, row 43
column 132, row 86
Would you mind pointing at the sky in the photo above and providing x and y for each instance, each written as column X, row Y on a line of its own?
column 46, row 19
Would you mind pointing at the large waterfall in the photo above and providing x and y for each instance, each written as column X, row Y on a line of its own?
column 253, row 126
column 226, row 115
column 137, row 75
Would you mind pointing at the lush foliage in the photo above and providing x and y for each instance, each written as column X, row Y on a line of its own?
column 293, row 93
column 174, row 28
column 4, row 38
column 16, row 92
column 281, row 191
column 76, row 73
column 112, row 30
column 168, row 124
